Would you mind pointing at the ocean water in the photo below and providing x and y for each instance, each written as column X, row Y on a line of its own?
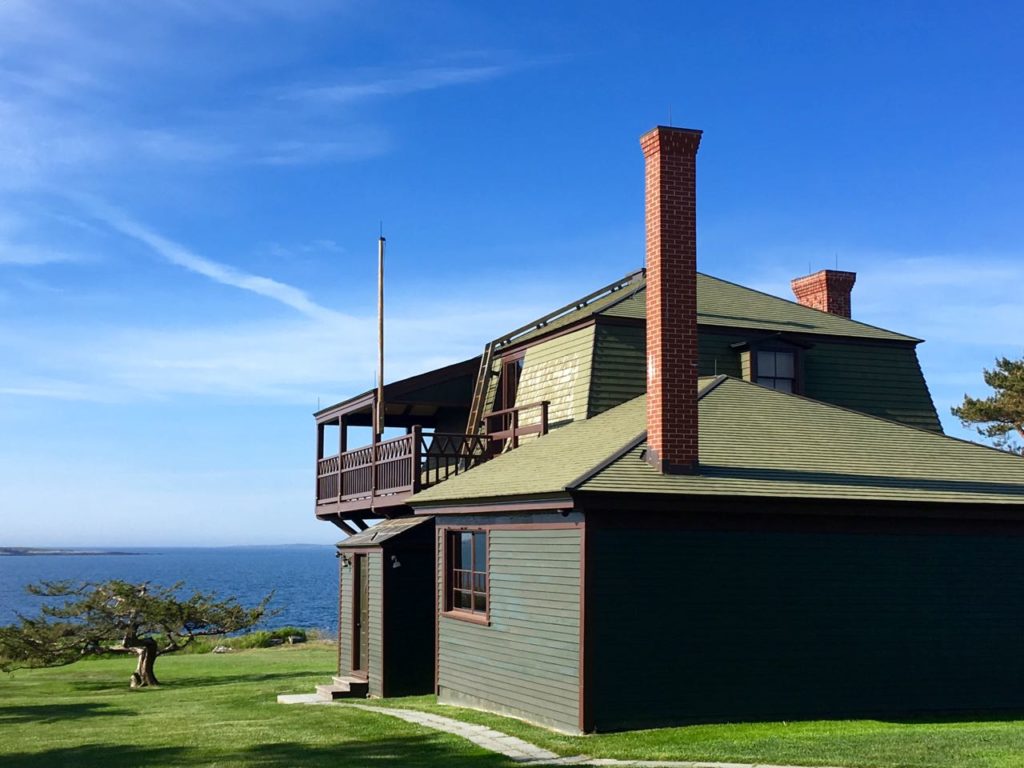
column 304, row 579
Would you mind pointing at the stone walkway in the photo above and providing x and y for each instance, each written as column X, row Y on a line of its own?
column 511, row 747
column 523, row 752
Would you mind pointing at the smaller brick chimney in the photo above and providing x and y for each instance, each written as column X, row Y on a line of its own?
column 827, row 290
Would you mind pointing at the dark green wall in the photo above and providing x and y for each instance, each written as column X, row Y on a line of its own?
column 878, row 379
column 345, row 621
column 698, row 625
column 619, row 370
column 345, row 624
column 376, row 671
column 401, row 652
column 409, row 613
column 526, row 663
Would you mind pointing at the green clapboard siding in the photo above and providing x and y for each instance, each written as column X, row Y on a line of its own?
column 716, row 357
column 881, row 380
column 376, row 671
column 619, row 372
column 526, row 663
column 723, row 626
column 345, row 622
column 620, row 363
column 558, row 370
column 877, row 379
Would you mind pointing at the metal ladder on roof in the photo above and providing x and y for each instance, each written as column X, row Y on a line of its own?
column 483, row 376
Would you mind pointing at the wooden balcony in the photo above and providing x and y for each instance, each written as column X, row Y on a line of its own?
column 376, row 480
column 385, row 474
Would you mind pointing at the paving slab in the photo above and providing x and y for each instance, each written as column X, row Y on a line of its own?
column 300, row 698
column 524, row 752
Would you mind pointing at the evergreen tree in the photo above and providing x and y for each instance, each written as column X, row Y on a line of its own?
column 1001, row 415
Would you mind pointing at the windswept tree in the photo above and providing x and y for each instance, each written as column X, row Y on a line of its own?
column 1001, row 415
column 118, row 617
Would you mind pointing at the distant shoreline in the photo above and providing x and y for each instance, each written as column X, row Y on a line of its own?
column 37, row 551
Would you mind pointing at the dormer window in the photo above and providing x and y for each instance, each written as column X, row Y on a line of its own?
column 774, row 361
column 776, row 369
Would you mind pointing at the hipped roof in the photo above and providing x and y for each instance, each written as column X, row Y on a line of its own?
column 726, row 305
column 753, row 441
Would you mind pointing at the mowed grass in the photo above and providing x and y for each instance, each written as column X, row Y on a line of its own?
column 220, row 710
column 212, row 710
column 936, row 743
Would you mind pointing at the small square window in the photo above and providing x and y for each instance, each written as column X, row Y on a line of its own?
column 776, row 370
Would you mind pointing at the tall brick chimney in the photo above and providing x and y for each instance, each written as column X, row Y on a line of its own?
column 827, row 290
column 670, row 160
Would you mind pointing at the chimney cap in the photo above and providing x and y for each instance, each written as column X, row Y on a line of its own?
column 833, row 278
column 666, row 138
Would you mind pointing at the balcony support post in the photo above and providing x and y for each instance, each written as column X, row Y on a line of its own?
column 316, row 464
column 345, row 527
column 415, row 456
column 342, row 447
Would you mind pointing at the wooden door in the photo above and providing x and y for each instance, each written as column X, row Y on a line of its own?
column 361, row 616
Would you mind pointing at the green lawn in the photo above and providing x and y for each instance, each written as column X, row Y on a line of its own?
column 937, row 743
column 220, row 710
column 212, row 710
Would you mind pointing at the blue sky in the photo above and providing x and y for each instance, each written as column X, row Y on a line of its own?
column 190, row 193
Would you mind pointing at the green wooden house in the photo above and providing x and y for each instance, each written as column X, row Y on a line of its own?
column 681, row 500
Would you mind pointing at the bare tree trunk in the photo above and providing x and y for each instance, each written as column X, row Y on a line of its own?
column 143, row 675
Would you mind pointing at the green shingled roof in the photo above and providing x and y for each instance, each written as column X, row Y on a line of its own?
column 546, row 465
column 753, row 442
column 383, row 531
column 728, row 305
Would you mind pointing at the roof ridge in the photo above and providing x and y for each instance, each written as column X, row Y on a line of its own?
column 813, row 309
column 862, row 414
column 715, row 382
column 641, row 284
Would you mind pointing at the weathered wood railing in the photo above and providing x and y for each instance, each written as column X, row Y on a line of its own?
column 507, row 424
column 403, row 465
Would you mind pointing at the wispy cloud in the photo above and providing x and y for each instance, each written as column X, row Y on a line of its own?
column 379, row 84
column 179, row 255
column 32, row 256
column 289, row 361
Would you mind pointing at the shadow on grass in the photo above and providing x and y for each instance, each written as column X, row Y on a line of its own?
column 107, row 755
column 407, row 752
column 411, row 751
column 197, row 682
column 52, row 713
column 952, row 718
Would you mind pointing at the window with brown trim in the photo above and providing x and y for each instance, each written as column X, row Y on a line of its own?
column 466, row 572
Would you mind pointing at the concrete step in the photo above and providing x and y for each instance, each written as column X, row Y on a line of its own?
column 343, row 688
column 358, row 686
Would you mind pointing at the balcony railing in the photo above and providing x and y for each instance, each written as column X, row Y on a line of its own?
column 385, row 471
column 507, row 425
